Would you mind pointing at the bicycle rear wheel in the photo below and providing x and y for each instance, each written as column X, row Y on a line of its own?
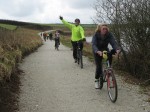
column 81, row 60
column 112, row 86
column 57, row 46
column 78, row 57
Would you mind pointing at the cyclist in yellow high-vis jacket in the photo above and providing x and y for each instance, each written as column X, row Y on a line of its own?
column 77, row 35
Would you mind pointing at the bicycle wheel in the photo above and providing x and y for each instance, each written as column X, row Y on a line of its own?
column 101, row 83
column 112, row 86
column 81, row 60
column 102, row 80
column 78, row 57
column 57, row 46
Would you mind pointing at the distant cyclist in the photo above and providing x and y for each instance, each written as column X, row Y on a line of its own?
column 57, row 38
column 100, row 41
column 50, row 36
column 44, row 36
column 77, row 35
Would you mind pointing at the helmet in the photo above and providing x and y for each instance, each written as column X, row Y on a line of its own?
column 77, row 20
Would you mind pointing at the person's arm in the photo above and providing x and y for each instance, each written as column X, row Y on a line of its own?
column 82, row 33
column 94, row 44
column 65, row 22
column 113, row 42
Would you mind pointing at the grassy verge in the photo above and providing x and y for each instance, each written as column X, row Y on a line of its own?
column 14, row 45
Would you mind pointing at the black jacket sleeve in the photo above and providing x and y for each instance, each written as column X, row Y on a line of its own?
column 94, row 44
column 113, row 43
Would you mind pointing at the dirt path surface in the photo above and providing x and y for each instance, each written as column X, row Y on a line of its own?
column 52, row 82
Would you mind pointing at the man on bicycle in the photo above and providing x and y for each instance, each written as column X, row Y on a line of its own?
column 100, row 41
column 77, row 35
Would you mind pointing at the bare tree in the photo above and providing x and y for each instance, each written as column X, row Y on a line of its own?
column 130, row 22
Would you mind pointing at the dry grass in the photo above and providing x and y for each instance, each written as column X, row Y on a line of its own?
column 13, row 46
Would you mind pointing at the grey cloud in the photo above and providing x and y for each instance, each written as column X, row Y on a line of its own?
column 21, row 8
column 31, row 10
column 80, row 4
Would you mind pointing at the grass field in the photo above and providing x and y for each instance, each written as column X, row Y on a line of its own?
column 9, row 27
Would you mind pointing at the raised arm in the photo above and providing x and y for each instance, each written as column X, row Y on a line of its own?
column 65, row 23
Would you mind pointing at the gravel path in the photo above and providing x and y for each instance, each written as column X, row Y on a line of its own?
column 52, row 82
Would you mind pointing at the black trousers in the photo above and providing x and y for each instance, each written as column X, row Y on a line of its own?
column 98, row 62
column 75, row 45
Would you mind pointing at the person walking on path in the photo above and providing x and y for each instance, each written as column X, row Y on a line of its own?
column 77, row 36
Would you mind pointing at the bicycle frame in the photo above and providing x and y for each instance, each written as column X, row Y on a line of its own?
column 57, row 44
column 109, row 77
column 106, row 69
column 79, row 55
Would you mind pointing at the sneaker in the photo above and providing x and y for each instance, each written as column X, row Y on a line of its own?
column 97, row 84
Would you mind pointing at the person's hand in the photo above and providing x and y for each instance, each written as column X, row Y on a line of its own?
column 84, row 39
column 117, row 52
column 60, row 17
column 100, row 53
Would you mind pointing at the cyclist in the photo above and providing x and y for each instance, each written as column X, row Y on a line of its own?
column 77, row 35
column 57, row 38
column 100, row 41
column 44, row 36
column 50, row 36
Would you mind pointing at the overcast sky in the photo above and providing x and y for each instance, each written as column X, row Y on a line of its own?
column 47, row 11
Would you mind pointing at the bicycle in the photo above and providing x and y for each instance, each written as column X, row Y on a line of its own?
column 57, row 45
column 109, row 77
column 79, row 55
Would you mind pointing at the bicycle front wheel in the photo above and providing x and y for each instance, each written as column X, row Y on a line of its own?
column 81, row 59
column 112, row 87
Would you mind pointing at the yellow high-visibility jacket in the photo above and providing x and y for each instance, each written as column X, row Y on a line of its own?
column 77, row 31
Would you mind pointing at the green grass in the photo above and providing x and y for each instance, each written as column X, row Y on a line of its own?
column 9, row 27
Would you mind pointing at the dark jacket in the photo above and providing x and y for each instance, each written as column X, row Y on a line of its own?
column 101, row 44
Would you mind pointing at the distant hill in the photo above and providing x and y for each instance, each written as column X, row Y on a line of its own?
column 26, row 24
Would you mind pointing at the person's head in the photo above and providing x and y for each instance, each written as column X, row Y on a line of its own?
column 102, row 28
column 77, row 21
